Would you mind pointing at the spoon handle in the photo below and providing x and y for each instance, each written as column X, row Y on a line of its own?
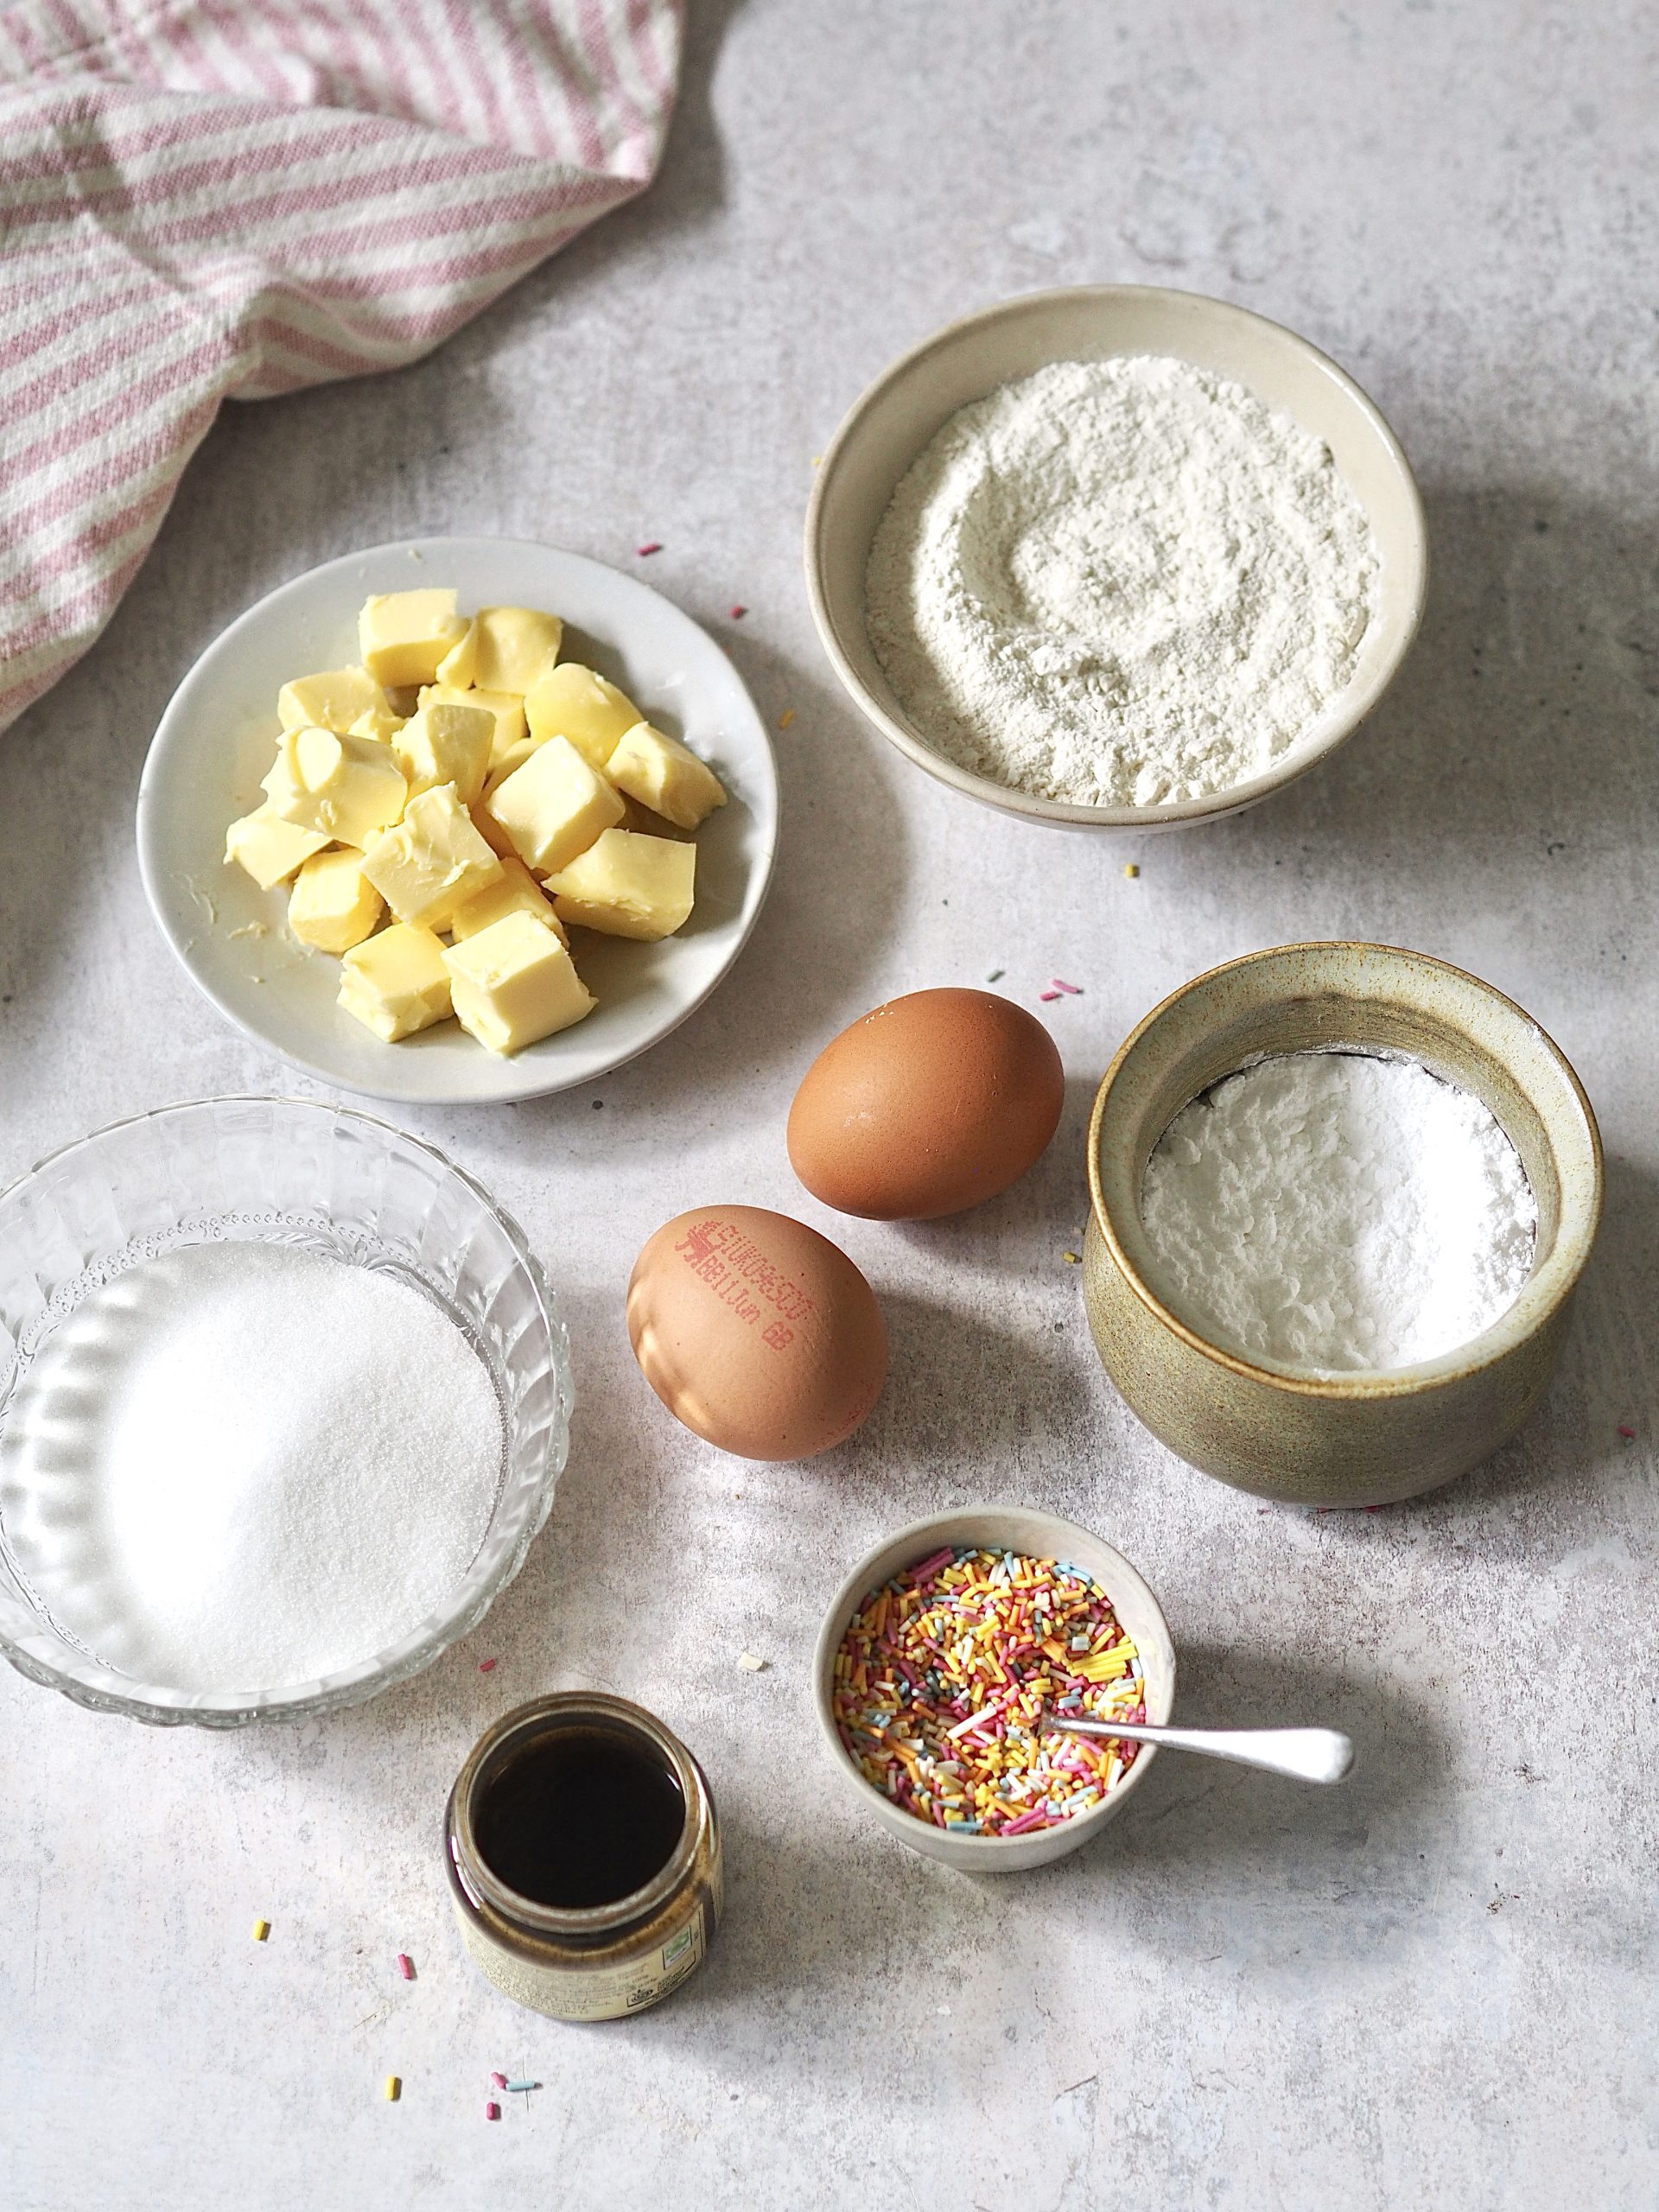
column 1308, row 1754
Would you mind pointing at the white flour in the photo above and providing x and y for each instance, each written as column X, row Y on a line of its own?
column 243, row 1465
column 1120, row 582
column 1331, row 1212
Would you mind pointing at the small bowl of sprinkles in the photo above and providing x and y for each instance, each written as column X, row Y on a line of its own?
column 937, row 1658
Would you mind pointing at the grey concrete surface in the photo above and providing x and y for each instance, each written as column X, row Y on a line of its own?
column 1432, row 1988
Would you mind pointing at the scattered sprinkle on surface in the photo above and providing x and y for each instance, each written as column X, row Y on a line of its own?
column 941, row 1677
column 488, row 1666
column 651, row 545
column 751, row 1662
column 737, row 613
column 261, row 1929
column 1131, row 868
column 394, row 2087
column 405, row 1966
column 1072, row 990
column 497, row 2080
column 1048, row 997
column 492, row 2110
column 515, row 2087
column 1072, row 1258
column 996, row 975
column 785, row 718
column 1627, row 1432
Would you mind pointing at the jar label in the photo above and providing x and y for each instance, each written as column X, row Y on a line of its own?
column 595, row 1992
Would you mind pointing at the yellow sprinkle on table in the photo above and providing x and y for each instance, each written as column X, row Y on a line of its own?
column 261, row 1929
column 1072, row 1258
column 394, row 2088
column 1131, row 868
column 785, row 718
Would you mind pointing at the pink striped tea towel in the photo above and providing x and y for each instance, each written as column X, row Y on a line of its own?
column 203, row 200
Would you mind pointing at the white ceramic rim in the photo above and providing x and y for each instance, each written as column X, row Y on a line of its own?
column 1050, row 1535
column 1330, row 731
column 472, row 1596
column 757, row 885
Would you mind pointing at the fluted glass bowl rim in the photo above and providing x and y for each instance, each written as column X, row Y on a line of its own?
column 354, row 1685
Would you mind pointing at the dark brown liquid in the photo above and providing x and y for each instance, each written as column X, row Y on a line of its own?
column 581, row 1817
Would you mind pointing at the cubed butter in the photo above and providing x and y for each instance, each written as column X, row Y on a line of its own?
column 555, row 806
column 433, row 863
column 515, row 983
column 516, row 647
column 491, row 830
column 627, row 885
column 332, row 700
column 269, row 848
column 665, row 776
column 458, row 664
column 445, row 744
column 396, row 984
column 377, row 722
column 345, row 788
column 403, row 635
column 507, row 707
column 511, row 757
column 332, row 905
column 575, row 702
column 516, row 892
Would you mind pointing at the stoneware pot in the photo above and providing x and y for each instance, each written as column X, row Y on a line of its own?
column 1371, row 1437
column 1039, row 1535
column 891, row 424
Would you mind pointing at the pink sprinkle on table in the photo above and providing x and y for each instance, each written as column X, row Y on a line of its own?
column 488, row 1666
column 405, row 1966
column 738, row 613
column 1072, row 990
column 1048, row 997
column 499, row 2081
column 491, row 2111
column 654, row 545
column 1625, row 1430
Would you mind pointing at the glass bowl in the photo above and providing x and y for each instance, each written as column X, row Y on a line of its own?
column 335, row 1181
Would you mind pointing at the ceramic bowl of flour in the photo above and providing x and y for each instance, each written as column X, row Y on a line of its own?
column 1049, row 602
column 1366, row 1436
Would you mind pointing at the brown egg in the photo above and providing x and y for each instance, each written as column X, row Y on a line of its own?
column 757, row 1332
column 928, row 1105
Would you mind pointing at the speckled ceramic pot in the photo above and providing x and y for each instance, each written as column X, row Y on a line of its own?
column 1367, row 1438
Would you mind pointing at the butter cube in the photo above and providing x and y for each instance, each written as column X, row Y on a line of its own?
column 269, row 848
column 345, row 788
column 332, row 700
column 575, row 702
column 555, row 806
column 444, row 744
column 511, row 757
column 433, row 863
column 396, row 984
column 491, row 830
column 458, row 664
column 666, row 776
column 507, row 707
column 516, row 647
column 627, row 885
column 515, row 983
column 516, row 892
column 377, row 722
column 403, row 635
column 332, row 906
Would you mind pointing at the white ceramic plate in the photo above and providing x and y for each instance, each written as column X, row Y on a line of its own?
column 217, row 738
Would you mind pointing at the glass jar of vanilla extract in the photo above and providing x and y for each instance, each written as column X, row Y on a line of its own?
column 584, row 1857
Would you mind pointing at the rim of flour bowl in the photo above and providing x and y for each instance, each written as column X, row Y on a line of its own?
column 1324, row 734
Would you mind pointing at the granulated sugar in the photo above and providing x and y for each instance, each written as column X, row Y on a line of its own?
column 1120, row 582
column 1333, row 1211
column 248, row 1465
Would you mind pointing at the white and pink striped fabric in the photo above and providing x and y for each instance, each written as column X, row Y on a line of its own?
column 205, row 200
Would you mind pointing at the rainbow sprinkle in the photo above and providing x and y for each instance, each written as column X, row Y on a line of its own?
column 942, row 1676
column 405, row 1966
